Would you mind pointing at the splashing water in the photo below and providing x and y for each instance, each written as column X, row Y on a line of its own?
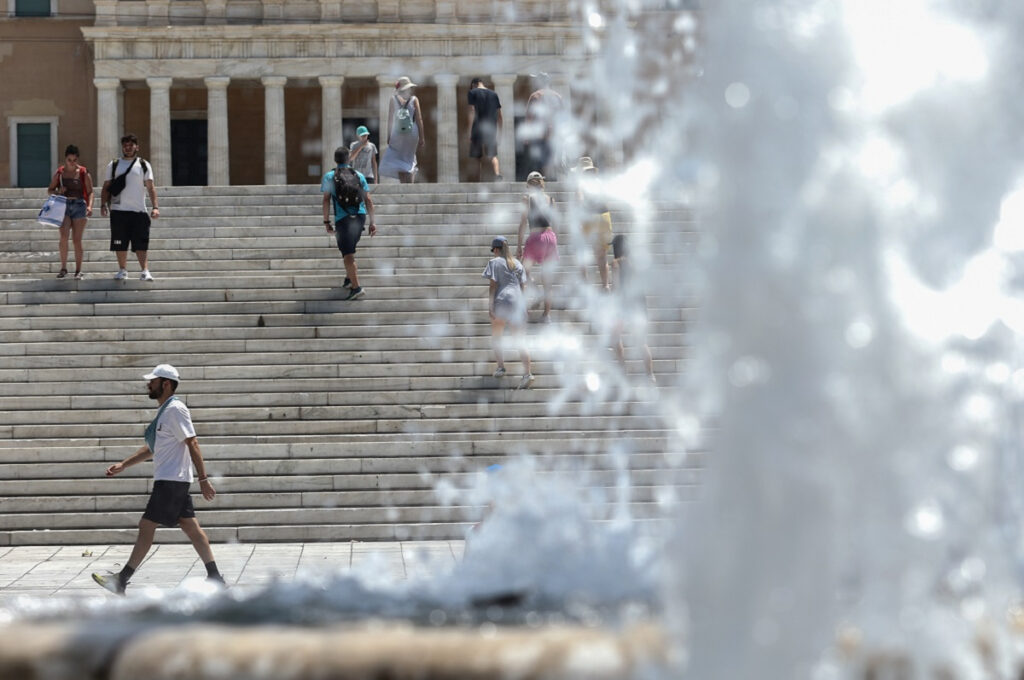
column 854, row 369
column 857, row 351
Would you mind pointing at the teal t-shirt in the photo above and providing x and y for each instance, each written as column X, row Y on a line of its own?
column 327, row 187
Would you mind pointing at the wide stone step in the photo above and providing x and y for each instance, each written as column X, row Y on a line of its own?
column 373, row 498
column 214, row 517
column 583, row 443
column 234, row 331
column 341, row 425
column 570, row 295
column 79, row 343
column 327, row 393
column 135, row 410
column 253, row 534
column 359, row 472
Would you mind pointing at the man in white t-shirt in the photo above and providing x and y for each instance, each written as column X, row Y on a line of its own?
column 171, row 443
column 129, row 223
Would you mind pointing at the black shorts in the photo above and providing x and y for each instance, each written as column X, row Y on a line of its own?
column 169, row 502
column 538, row 155
column 483, row 144
column 129, row 228
column 347, row 231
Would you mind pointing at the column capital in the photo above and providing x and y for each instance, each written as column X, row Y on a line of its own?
column 106, row 83
column 504, row 78
column 159, row 83
column 217, row 82
column 446, row 79
column 331, row 81
column 274, row 81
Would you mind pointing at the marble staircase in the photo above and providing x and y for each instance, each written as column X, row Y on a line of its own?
column 320, row 419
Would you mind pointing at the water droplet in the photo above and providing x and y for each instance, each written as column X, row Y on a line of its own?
column 737, row 95
column 963, row 458
column 926, row 521
column 859, row 334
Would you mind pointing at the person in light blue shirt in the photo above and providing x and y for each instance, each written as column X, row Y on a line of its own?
column 347, row 190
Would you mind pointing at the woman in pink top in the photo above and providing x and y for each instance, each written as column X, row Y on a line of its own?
column 542, row 245
column 73, row 182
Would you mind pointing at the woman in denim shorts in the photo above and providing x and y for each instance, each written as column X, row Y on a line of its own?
column 73, row 182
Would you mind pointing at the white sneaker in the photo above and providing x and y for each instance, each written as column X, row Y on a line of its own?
column 121, row 275
column 145, row 275
column 109, row 581
column 500, row 372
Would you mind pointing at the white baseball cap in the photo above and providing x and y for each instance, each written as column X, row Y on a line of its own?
column 163, row 371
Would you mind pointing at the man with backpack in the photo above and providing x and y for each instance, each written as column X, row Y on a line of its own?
column 349, row 192
column 124, row 199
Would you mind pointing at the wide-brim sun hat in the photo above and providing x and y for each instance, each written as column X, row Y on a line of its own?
column 163, row 371
column 404, row 83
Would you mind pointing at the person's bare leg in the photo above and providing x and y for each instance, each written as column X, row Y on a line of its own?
column 351, row 271
column 602, row 264
column 62, row 243
column 143, row 257
column 495, row 167
column 524, row 355
column 200, row 541
column 122, row 259
column 77, row 231
column 143, row 542
column 497, row 328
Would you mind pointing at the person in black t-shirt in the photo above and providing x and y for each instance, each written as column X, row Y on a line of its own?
column 484, row 121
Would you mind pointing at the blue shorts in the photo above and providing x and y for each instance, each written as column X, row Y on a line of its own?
column 75, row 209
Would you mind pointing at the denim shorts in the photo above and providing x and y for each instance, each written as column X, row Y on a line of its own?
column 347, row 231
column 75, row 209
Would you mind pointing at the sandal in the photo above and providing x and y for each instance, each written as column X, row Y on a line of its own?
column 62, row 274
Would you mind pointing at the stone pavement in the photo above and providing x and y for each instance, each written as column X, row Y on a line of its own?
column 42, row 571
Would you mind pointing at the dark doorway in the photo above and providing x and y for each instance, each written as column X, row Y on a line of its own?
column 35, row 157
column 188, row 153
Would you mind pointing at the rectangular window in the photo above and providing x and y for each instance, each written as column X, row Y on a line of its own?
column 31, row 8
column 34, row 154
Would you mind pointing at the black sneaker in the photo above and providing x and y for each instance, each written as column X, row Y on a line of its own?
column 355, row 293
column 109, row 581
column 347, row 284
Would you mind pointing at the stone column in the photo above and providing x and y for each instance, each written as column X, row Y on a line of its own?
column 504, row 86
column 330, row 11
column 160, row 128
column 275, row 161
column 106, row 12
column 159, row 12
column 107, row 134
column 331, row 117
column 387, row 89
column 447, row 128
column 389, row 11
column 218, row 165
column 273, row 10
column 216, row 12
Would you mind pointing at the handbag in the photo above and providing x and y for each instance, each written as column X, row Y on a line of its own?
column 52, row 213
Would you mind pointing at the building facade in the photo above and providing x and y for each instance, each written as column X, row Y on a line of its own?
column 224, row 92
column 233, row 92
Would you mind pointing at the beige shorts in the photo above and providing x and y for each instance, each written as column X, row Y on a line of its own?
column 598, row 230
